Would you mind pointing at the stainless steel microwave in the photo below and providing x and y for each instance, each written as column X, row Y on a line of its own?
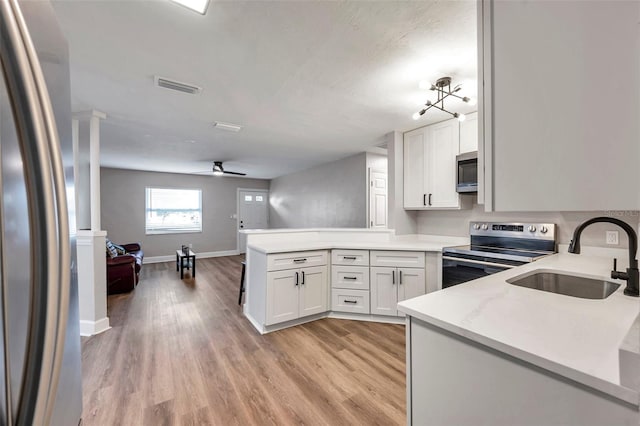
column 467, row 166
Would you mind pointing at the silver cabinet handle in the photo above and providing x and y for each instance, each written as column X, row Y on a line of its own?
column 299, row 260
column 297, row 276
column 393, row 277
column 349, row 257
column 350, row 278
column 400, row 277
column 48, row 218
column 302, row 278
column 350, row 301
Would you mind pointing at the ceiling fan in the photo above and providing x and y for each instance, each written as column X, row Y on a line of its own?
column 218, row 170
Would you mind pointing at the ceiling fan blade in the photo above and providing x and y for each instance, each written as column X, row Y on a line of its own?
column 234, row 173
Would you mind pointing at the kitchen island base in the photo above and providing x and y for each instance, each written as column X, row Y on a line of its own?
column 452, row 380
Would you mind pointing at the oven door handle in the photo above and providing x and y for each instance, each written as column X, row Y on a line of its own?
column 479, row 262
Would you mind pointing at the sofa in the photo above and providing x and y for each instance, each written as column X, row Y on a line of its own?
column 123, row 270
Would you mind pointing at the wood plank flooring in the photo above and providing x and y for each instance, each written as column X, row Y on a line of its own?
column 181, row 353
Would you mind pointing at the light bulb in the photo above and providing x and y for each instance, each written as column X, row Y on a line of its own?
column 424, row 84
column 415, row 116
column 461, row 117
column 217, row 173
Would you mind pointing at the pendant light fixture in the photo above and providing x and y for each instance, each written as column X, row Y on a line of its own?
column 443, row 89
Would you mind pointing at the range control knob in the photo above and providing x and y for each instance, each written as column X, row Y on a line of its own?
column 476, row 226
column 543, row 229
column 485, row 226
column 532, row 228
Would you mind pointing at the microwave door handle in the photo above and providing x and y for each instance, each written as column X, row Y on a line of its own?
column 48, row 220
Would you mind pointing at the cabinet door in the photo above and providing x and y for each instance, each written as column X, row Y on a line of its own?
column 282, row 296
column 443, row 146
column 469, row 133
column 414, row 168
column 384, row 292
column 411, row 283
column 313, row 294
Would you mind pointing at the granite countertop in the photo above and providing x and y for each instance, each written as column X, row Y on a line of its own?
column 573, row 337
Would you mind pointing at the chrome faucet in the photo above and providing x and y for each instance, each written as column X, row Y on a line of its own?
column 631, row 276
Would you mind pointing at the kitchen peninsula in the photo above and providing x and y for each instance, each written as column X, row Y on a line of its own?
column 300, row 275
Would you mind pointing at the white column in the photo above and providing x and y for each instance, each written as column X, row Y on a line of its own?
column 92, row 282
column 92, row 267
column 94, row 161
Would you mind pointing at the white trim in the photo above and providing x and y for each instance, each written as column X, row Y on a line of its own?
column 91, row 328
column 266, row 191
column 366, row 317
column 199, row 255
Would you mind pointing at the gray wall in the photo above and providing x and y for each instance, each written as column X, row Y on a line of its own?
column 123, row 205
column 329, row 195
column 456, row 223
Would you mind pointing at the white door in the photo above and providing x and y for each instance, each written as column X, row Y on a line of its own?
column 414, row 168
column 377, row 198
column 282, row 296
column 253, row 213
column 313, row 296
column 443, row 146
column 384, row 293
column 411, row 283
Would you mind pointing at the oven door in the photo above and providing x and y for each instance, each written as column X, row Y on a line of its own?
column 457, row 270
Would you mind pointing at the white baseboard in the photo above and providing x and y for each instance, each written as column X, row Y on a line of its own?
column 90, row 328
column 199, row 255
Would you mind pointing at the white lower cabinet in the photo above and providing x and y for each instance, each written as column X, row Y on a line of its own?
column 296, row 293
column 392, row 285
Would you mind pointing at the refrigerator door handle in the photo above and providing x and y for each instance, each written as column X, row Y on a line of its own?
column 48, row 217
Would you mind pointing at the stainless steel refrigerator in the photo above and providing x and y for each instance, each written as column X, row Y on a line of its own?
column 40, row 372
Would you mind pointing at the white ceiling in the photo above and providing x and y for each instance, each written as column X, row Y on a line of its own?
column 309, row 81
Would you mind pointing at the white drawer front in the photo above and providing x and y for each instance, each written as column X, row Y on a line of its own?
column 301, row 259
column 356, row 301
column 350, row 257
column 353, row 277
column 400, row 259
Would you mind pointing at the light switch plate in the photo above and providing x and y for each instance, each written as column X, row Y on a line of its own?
column 613, row 237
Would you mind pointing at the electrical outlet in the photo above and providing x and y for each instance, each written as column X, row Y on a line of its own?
column 612, row 237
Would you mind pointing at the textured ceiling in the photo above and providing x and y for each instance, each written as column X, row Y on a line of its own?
column 309, row 81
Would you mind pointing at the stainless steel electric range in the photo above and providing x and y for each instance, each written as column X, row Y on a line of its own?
column 495, row 247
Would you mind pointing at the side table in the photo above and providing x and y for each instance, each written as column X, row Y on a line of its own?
column 185, row 261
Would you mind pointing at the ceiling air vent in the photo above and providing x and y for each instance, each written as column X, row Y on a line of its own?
column 177, row 85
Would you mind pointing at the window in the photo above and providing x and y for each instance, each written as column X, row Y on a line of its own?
column 259, row 198
column 173, row 210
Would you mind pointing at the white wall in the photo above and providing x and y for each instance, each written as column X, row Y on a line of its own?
column 456, row 223
column 123, row 209
column 403, row 221
column 331, row 195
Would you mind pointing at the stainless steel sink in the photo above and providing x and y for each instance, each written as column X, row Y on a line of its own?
column 569, row 285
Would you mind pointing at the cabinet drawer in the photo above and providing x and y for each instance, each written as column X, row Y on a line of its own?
column 350, row 257
column 356, row 301
column 353, row 277
column 300, row 259
column 399, row 259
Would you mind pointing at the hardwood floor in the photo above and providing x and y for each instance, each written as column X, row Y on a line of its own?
column 181, row 352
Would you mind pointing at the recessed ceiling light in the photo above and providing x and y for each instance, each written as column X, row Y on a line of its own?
column 199, row 6
column 227, row 126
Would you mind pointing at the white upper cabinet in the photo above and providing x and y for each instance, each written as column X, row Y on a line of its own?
column 430, row 166
column 560, row 105
column 469, row 133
